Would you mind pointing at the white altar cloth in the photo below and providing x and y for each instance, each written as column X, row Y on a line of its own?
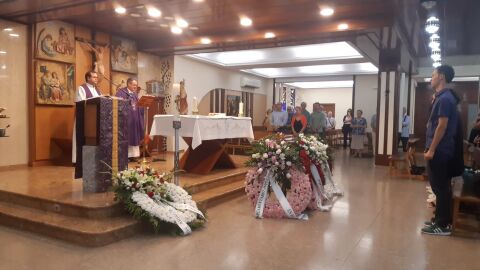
column 202, row 128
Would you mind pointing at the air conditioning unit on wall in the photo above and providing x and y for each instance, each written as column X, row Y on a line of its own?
column 250, row 82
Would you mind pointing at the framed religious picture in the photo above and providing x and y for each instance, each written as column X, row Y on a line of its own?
column 55, row 40
column 233, row 103
column 119, row 80
column 54, row 83
column 123, row 55
column 155, row 88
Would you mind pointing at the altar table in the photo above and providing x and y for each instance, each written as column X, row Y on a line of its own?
column 206, row 137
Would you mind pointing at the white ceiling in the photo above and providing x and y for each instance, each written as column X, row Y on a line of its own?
column 317, row 70
column 326, row 59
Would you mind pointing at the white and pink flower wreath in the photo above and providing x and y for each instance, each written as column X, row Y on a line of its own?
column 299, row 195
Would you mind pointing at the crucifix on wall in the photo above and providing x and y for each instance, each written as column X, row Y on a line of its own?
column 97, row 49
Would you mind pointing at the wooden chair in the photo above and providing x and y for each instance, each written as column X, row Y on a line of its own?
column 456, row 210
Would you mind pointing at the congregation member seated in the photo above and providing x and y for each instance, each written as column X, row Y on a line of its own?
column 299, row 121
column 475, row 132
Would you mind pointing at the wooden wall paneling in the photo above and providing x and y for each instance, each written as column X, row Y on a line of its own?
column 212, row 100
column 217, row 98
column 250, row 109
column 223, row 101
column 31, row 97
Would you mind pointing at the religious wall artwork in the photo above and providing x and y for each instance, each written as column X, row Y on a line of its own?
column 233, row 105
column 98, row 61
column 55, row 40
column 119, row 80
column 181, row 99
column 155, row 88
column 54, row 83
column 124, row 55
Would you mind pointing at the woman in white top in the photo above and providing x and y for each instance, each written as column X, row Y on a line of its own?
column 347, row 128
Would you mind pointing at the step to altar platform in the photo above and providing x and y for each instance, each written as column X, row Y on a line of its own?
column 46, row 200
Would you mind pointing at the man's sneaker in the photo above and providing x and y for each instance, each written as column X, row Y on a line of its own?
column 434, row 229
column 429, row 222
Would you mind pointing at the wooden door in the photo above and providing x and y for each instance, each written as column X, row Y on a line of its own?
column 329, row 107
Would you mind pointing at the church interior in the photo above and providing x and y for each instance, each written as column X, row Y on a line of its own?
column 246, row 134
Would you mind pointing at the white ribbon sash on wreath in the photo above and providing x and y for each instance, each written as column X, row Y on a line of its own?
column 330, row 187
column 318, row 190
column 156, row 208
column 262, row 198
column 183, row 206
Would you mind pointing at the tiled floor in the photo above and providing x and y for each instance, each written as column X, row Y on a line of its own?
column 375, row 226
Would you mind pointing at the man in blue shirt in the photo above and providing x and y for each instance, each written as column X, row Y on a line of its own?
column 440, row 149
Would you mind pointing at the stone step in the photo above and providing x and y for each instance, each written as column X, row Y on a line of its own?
column 108, row 209
column 83, row 231
column 215, row 182
column 214, row 196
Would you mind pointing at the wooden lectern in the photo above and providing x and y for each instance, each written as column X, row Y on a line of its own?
column 102, row 141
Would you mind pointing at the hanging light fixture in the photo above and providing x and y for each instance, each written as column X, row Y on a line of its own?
column 432, row 25
column 428, row 4
column 434, row 42
column 437, row 64
column 436, row 55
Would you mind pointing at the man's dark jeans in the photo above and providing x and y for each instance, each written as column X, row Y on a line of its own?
column 439, row 176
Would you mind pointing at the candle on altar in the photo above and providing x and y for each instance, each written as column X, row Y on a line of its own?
column 195, row 105
column 240, row 109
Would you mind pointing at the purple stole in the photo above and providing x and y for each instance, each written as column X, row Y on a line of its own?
column 88, row 93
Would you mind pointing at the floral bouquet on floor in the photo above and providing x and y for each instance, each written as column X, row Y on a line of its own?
column 148, row 196
column 276, row 184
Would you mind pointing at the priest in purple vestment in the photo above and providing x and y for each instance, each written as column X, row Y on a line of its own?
column 135, row 121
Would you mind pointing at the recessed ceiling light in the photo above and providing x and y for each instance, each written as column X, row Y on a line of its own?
column 269, row 35
column 245, row 21
column 181, row 23
column 176, row 30
column 193, row 28
column 150, row 20
column 154, row 12
column 136, row 15
column 198, row 1
column 322, row 84
column 4, row 66
column 327, row 11
column 8, row 29
column 14, row 35
column 205, row 40
column 120, row 10
column 164, row 25
column 342, row 26
column 3, row 52
column 168, row 18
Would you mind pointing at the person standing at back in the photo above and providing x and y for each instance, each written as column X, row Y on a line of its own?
column 441, row 152
column 305, row 111
column 405, row 134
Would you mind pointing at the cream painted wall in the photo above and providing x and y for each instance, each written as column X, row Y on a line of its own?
column 13, row 94
column 366, row 96
column 342, row 97
column 201, row 78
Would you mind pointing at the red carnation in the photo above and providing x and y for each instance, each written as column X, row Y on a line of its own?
column 150, row 194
